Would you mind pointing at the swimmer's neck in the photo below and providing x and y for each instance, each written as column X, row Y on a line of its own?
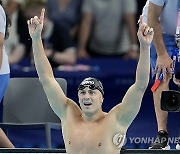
column 93, row 117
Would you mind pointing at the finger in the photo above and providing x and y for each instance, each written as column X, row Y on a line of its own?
column 151, row 31
column 172, row 66
column 158, row 72
column 28, row 23
column 31, row 20
column 164, row 74
column 42, row 15
column 141, row 28
column 36, row 23
column 145, row 27
column 169, row 70
column 146, row 30
column 36, row 20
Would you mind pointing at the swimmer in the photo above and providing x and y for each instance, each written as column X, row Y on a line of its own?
column 88, row 129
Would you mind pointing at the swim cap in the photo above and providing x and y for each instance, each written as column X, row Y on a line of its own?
column 92, row 83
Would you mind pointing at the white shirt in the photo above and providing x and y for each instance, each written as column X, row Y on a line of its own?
column 5, row 64
column 168, row 17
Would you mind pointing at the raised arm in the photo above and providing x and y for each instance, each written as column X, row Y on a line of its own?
column 128, row 109
column 57, row 99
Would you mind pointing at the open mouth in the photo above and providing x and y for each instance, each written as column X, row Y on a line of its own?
column 87, row 103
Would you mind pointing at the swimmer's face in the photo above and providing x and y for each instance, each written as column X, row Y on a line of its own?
column 90, row 100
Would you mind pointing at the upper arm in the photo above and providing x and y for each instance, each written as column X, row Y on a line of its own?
column 56, row 97
column 1, row 47
column 127, row 110
column 2, row 32
column 1, row 39
column 154, row 12
column 2, row 29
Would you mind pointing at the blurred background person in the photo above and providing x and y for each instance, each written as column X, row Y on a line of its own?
column 108, row 28
column 162, row 16
column 59, row 33
column 4, row 69
column 65, row 17
column 18, row 46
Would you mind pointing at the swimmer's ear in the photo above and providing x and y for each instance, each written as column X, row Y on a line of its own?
column 102, row 99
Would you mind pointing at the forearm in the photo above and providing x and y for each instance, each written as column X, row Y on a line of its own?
column 17, row 54
column 131, row 23
column 1, row 56
column 143, row 67
column 158, row 40
column 85, row 29
column 42, row 64
column 153, row 21
column 83, row 38
column 131, row 102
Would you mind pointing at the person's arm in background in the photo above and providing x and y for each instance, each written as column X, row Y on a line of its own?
column 2, row 36
column 17, row 54
column 85, row 29
column 1, row 48
column 130, row 18
column 66, row 54
column 164, row 62
column 84, row 33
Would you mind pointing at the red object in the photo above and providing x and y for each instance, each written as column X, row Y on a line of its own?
column 155, row 86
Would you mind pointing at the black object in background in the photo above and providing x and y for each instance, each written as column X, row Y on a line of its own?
column 170, row 101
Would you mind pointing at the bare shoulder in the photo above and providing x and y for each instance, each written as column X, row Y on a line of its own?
column 114, row 110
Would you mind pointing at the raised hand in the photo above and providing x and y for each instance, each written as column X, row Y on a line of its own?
column 35, row 25
column 145, row 33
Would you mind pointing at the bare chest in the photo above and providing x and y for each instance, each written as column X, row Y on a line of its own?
column 83, row 134
column 99, row 138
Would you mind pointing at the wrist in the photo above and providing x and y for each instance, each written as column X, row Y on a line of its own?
column 162, row 54
column 36, row 38
column 144, row 46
